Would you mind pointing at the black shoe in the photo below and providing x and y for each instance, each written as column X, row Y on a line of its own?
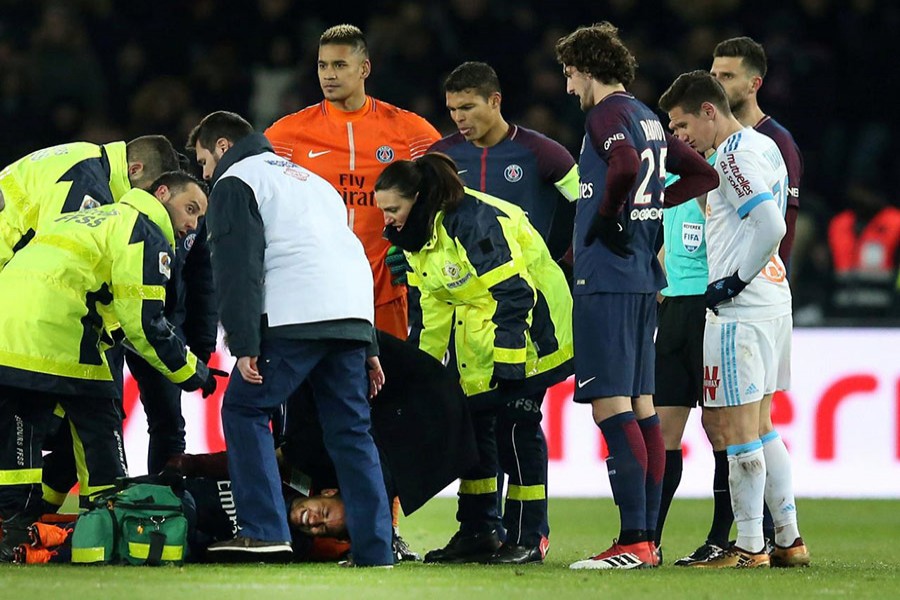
column 14, row 531
column 466, row 548
column 511, row 554
column 244, row 549
column 704, row 554
column 401, row 550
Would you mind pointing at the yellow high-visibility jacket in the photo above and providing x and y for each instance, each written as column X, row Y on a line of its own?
column 84, row 276
column 487, row 277
column 46, row 183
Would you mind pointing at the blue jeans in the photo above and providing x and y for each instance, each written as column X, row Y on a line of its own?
column 336, row 370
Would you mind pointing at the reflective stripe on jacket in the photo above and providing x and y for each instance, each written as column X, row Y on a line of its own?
column 85, row 275
column 486, row 276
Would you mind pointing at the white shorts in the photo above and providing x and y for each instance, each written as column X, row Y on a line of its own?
column 744, row 361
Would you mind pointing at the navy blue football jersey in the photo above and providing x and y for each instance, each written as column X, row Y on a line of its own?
column 526, row 168
column 620, row 119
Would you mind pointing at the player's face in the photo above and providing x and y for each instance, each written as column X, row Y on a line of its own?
column 208, row 159
column 319, row 516
column 697, row 130
column 580, row 84
column 734, row 77
column 394, row 206
column 185, row 207
column 475, row 116
column 342, row 72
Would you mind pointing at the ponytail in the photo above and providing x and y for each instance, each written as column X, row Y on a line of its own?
column 440, row 182
column 432, row 176
column 431, row 183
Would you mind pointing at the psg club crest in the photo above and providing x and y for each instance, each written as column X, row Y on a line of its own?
column 513, row 173
column 189, row 241
column 384, row 154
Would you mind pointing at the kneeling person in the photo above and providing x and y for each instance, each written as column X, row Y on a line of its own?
column 86, row 275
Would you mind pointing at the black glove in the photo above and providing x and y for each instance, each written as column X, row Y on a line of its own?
column 396, row 263
column 209, row 386
column 506, row 385
column 723, row 289
column 611, row 233
column 202, row 355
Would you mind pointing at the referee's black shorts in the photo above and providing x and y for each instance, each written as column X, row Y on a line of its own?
column 679, row 351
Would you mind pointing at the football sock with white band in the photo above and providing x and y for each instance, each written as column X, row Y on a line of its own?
column 747, row 481
column 780, row 489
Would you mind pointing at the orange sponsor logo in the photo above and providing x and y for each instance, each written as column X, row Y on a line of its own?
column 774, row 271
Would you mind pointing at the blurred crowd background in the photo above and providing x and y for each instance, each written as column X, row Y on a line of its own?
column 101, row 70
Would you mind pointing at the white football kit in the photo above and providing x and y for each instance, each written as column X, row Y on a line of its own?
column 747, row 346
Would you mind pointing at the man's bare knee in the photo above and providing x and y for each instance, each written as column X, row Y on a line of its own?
column 714, row 426
column 672, row 420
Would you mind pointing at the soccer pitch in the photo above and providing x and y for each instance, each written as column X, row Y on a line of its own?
column 852, row 543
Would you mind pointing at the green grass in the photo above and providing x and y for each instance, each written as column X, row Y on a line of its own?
column 852, row 545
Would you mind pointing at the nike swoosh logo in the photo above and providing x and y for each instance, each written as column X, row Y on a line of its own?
column 581, row 384
column 463, row 171
column 315, row 154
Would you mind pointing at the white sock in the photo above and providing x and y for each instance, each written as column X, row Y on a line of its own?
column 780, row 489
column 747, row 482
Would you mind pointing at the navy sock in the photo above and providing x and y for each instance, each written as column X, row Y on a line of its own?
column 627, row 466
column 632, row 536
column 723, row 517
column 671, row 479
column 656, row 466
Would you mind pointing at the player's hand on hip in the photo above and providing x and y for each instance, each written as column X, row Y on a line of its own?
column 723, row 289
column 247, row 365
column 609, row 231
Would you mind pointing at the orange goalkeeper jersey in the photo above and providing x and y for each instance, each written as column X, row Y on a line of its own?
column 350, row 149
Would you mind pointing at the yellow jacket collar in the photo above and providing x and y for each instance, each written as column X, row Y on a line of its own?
column 432, row 241
column 118, row 169
column 153, row 208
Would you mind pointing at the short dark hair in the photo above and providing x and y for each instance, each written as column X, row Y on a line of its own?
column 155, row 152
column 178, row 181
column 751, row 53
column 477, row 76
column 598, row 51
column 691, row 90
column 433, row 176
column 220, row 124
column 345, row 35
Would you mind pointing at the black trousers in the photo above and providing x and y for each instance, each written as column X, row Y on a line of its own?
column 510, row 440
column 26, row 420
column 60, row 470
column 162, row 405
